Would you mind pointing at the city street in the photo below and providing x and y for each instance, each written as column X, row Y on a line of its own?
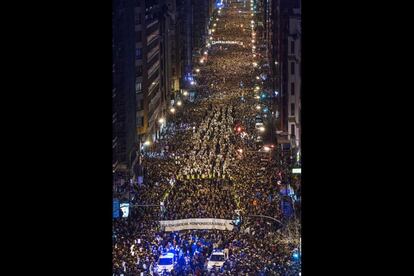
column 213, row 161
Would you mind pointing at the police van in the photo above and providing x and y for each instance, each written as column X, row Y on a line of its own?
column 165, row 263
column 216, row 260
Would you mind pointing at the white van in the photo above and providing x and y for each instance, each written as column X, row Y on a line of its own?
column 165, row 263
column 216, row 259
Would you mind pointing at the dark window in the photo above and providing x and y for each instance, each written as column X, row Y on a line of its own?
column 292, row 68
column 292, row 109
column 292, row 88
column 138, row 53
column 138, row 70
column 292, row 130
column 142, row 104
column 292, row 47
column 138, row 19
column 142, row 121
column 139, row 36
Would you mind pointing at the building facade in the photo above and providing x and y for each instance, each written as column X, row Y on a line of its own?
column 124, row 135
column 294, row 75
column 283, row 31
column 148, row 59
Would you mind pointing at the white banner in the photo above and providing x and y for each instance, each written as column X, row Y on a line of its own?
column 196, row 223
column 226, row 42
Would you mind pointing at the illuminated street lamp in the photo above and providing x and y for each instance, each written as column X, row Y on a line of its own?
column 172, row 110
column 266, row 148
column 198, row 70
column 254, row 64
column 257, row 78
column 262, row 129
column 185, row 93
column 147, row 143
column 205, row 52
column 258, row 107
column 179, row 103
column 161, row 120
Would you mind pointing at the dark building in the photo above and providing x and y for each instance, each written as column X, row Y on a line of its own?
column 194, row 20
column 148, row 57
column 170, row 51
column 200, row 20
column 185, row 13
column 154, row 42
column 283, row 33
column 123, row 85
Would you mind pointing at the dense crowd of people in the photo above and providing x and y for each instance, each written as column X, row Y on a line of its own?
column 207, row 164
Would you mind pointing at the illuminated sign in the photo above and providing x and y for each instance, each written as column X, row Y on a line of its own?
column 297, row 170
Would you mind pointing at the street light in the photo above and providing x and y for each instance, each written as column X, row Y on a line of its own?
column 185, row 93
column 258, row 107
column 161, row 120
column 198, row 70
column 266, row 148
column 172, row 110
column 262, row 129
column 147, row 143
column 179, row 103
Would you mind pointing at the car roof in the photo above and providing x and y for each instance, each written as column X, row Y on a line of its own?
column 217, row 253
column 168, row 255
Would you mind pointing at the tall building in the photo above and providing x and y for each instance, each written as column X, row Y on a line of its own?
column 185, row 11
column 123, row 85
column 284, row 34
column 200, row 21
column 170, row 51
column 194, row 20
column 294, row 75
column 149, row 96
